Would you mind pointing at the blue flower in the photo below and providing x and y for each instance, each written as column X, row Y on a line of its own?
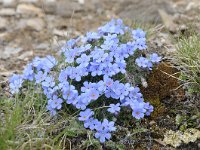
column 121, row 65
column 73, row 99
column 52, row 110
column 70, row 55
column 50, row 91
column 48, row 82
column 140, row 44
column 48, row 63
column 101, row 57
column 102, row 135
column 131, row 48
column 69, row 45
column 15, row 83
column 96, row 69
column 138, row 113
column 143, row 62
column 69, row 94
column 63, row 76
column 28, row 73
column 114, row 26
column 109, row 82
column 37, row 63
column 86, row 87
column 90, row 36
column 75, row 73
column 149, row 108
column 56, row 103
column 138, row 109
column 101, row 86
column 92, row 123
column 154, row 58
column 82, row 101
column 108, row 125
column 114, row 108
column 93, row 94
column 85, row 115
column 138, row 33
column 78, row 73
column 104, row 129
column 45, row 64
column 135, row 93
column 40, row 76
column 83, row 60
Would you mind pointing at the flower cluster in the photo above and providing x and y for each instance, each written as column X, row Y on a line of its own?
column 103, row 128
column 100, row 54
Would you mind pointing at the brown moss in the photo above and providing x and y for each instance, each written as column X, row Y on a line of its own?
column 162, row 83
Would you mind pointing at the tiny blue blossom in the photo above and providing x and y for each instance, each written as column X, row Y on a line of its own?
column 138, row 33
column 56, row 103
column 15, row 83
column 114, row 108
column 83, row 60
column 85, row 115
column 40, row 76
column 143, row 62
column 28, row 73
column 154, row 58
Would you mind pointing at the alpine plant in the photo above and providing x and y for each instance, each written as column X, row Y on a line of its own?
column 97, row 56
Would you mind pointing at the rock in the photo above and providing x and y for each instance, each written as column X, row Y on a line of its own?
column 6, row 73
column 29, row 1
column 81, row 1
column 2, row 38
column 143, row 10
column 3, row 23
column 7, row 12
column 50, row 1
column 29, row 10
column 9, row 51
column 168, row 21
column 67, row 7
column 42, row 46
column 61, row 33
column 8, row 3
column 36, row 24
column 50, row 6
column 25, row 56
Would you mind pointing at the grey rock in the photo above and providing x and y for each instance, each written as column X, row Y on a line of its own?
column 29, row 1
column 36, row 24
column 168, row 21
column 61, row 33
column 3, row 23
column 145, row 11
column 7, row 12
column 50, row 6
column 66, row 8
column 28, row 10
column 25, row 55
column 9, row 51
column 9, row 3
column 42, row 46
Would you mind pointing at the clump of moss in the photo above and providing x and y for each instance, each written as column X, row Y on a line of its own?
column 162, row 83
